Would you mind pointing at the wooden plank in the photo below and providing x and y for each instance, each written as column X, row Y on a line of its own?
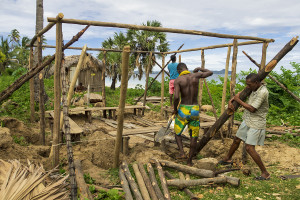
column 74, row 128
column 136, row 131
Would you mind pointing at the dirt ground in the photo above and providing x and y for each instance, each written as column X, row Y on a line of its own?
column 96, row 149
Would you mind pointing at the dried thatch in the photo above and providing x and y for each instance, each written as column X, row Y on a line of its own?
column 27, row 182
column 90, row 62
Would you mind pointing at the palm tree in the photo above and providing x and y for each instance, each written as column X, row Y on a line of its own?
column 147, row 41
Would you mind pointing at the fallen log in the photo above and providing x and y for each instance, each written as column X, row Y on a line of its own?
column 125, row 185
column 187, row 169
column 245, row 93
column 24, row 78
column 131, row 181
column 274, row 79
column 141, row 182
column 147, row 182
column 157, row 190
column 81, row 185
column 163, row 180
column 195, row 182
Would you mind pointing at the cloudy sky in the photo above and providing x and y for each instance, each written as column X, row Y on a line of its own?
column 276, row 19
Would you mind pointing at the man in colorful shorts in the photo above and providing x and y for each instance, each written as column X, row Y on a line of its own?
column 172, row 67
column 253, row 128
column 187, row 113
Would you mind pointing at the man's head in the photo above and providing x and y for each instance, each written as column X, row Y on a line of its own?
column 173, row 58
column 181, row 67
column 252, row 82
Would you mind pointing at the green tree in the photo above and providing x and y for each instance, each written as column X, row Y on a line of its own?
column 146, row 41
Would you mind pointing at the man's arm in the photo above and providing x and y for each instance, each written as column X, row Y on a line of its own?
column 203, row 72
column 176, row 96
column 242, row 103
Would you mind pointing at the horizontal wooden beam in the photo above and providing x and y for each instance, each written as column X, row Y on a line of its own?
column 100, row 49
column 156, row 29
column 216, row 46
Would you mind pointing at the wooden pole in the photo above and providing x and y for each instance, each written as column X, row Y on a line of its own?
column 162, row 92
column 141, row 182
column 24, row 78
column 147, row 79
column 179, row 59
column 132, row 183
column 274, row 79
column 124, row 83
column 155, row 29
column 82, row 186
column 232, row 83
column 31, row 86
column 147, row 182
column 246, row 92
column 68, row 136
column 125, row 185
column 201, row 79
column 57, row 90
column 264, row 55
column 152, row 177
column 163, row 180
column 225, row 80
column 103, row 83
column 44, row 30
column 195, row 182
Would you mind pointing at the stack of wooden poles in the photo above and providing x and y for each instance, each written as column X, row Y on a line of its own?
column 147, row 185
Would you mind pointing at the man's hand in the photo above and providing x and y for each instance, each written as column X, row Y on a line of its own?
column 230, row 106
column 237, row 96
column 196, row 70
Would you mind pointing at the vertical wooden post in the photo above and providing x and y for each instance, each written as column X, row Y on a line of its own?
column 31, row 86
column 147, row 79
column 264, row 55
column 232, row 82
column 57, row 95
column 103, row 83
column 201, row 79
column 162, row 93
column 179, row 60
column 124, row 83
column 41, row 92
column 225, row 80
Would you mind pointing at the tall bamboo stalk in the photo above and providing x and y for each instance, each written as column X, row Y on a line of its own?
column 124, row 83
column 103, row 82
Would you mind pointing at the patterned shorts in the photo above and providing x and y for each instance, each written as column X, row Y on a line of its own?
column 187, row 115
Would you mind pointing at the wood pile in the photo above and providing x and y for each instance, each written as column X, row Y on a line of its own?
column 147, row 185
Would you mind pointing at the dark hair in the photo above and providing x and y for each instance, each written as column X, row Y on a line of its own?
column 173, row 58
column 181, row 66
column 253, row 77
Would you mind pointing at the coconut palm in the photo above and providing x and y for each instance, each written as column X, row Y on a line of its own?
column 147, row 41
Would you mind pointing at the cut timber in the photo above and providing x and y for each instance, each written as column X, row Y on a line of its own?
column 246, row 92
column 137, row 131
column 74, row 128
column 141, row 182
column 187, row 169
column 125, row 185
column 147, row 182
column 132, row 183
column 195, row 182
column 83, row 188
column 152, row 177
column 163, row 181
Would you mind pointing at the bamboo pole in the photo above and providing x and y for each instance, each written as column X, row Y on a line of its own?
column 31, row 86
column 232, row 83
column 201, row 79
column 147, row 79
column 57, row 90
column 125, row 185
column 264, row 55
column 141, row 182
column 73, row 82
column 155, row 29
column 147, row 182
column 41, row 94
column 66, row 123
column 162, row 92
column 225, row 80
column 24, row 78
column 246, row 92
column 124, row 83
column 103, row 79
column 274, row 79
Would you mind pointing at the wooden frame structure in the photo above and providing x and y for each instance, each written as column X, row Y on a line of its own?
column 59, row 20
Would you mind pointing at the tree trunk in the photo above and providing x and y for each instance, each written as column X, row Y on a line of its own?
column 195, row 182
column 187, row 169
column 125, row 185
column 147, row 182
column 152, row 177
column 114, row 80
column 141, row 182
column 246, row 92
column 82, row 186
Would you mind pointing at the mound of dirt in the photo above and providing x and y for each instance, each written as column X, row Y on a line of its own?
column 5, row 138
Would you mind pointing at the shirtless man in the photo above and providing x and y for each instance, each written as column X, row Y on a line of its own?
column 187, row 113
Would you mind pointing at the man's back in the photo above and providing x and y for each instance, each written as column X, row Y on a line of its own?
column 172, row 67
column 188, row 85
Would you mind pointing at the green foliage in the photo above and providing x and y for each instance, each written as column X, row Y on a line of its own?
column 92, row 189
column 88, row 179
column 293, row 141
column 112, row 194
column 20, row 140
